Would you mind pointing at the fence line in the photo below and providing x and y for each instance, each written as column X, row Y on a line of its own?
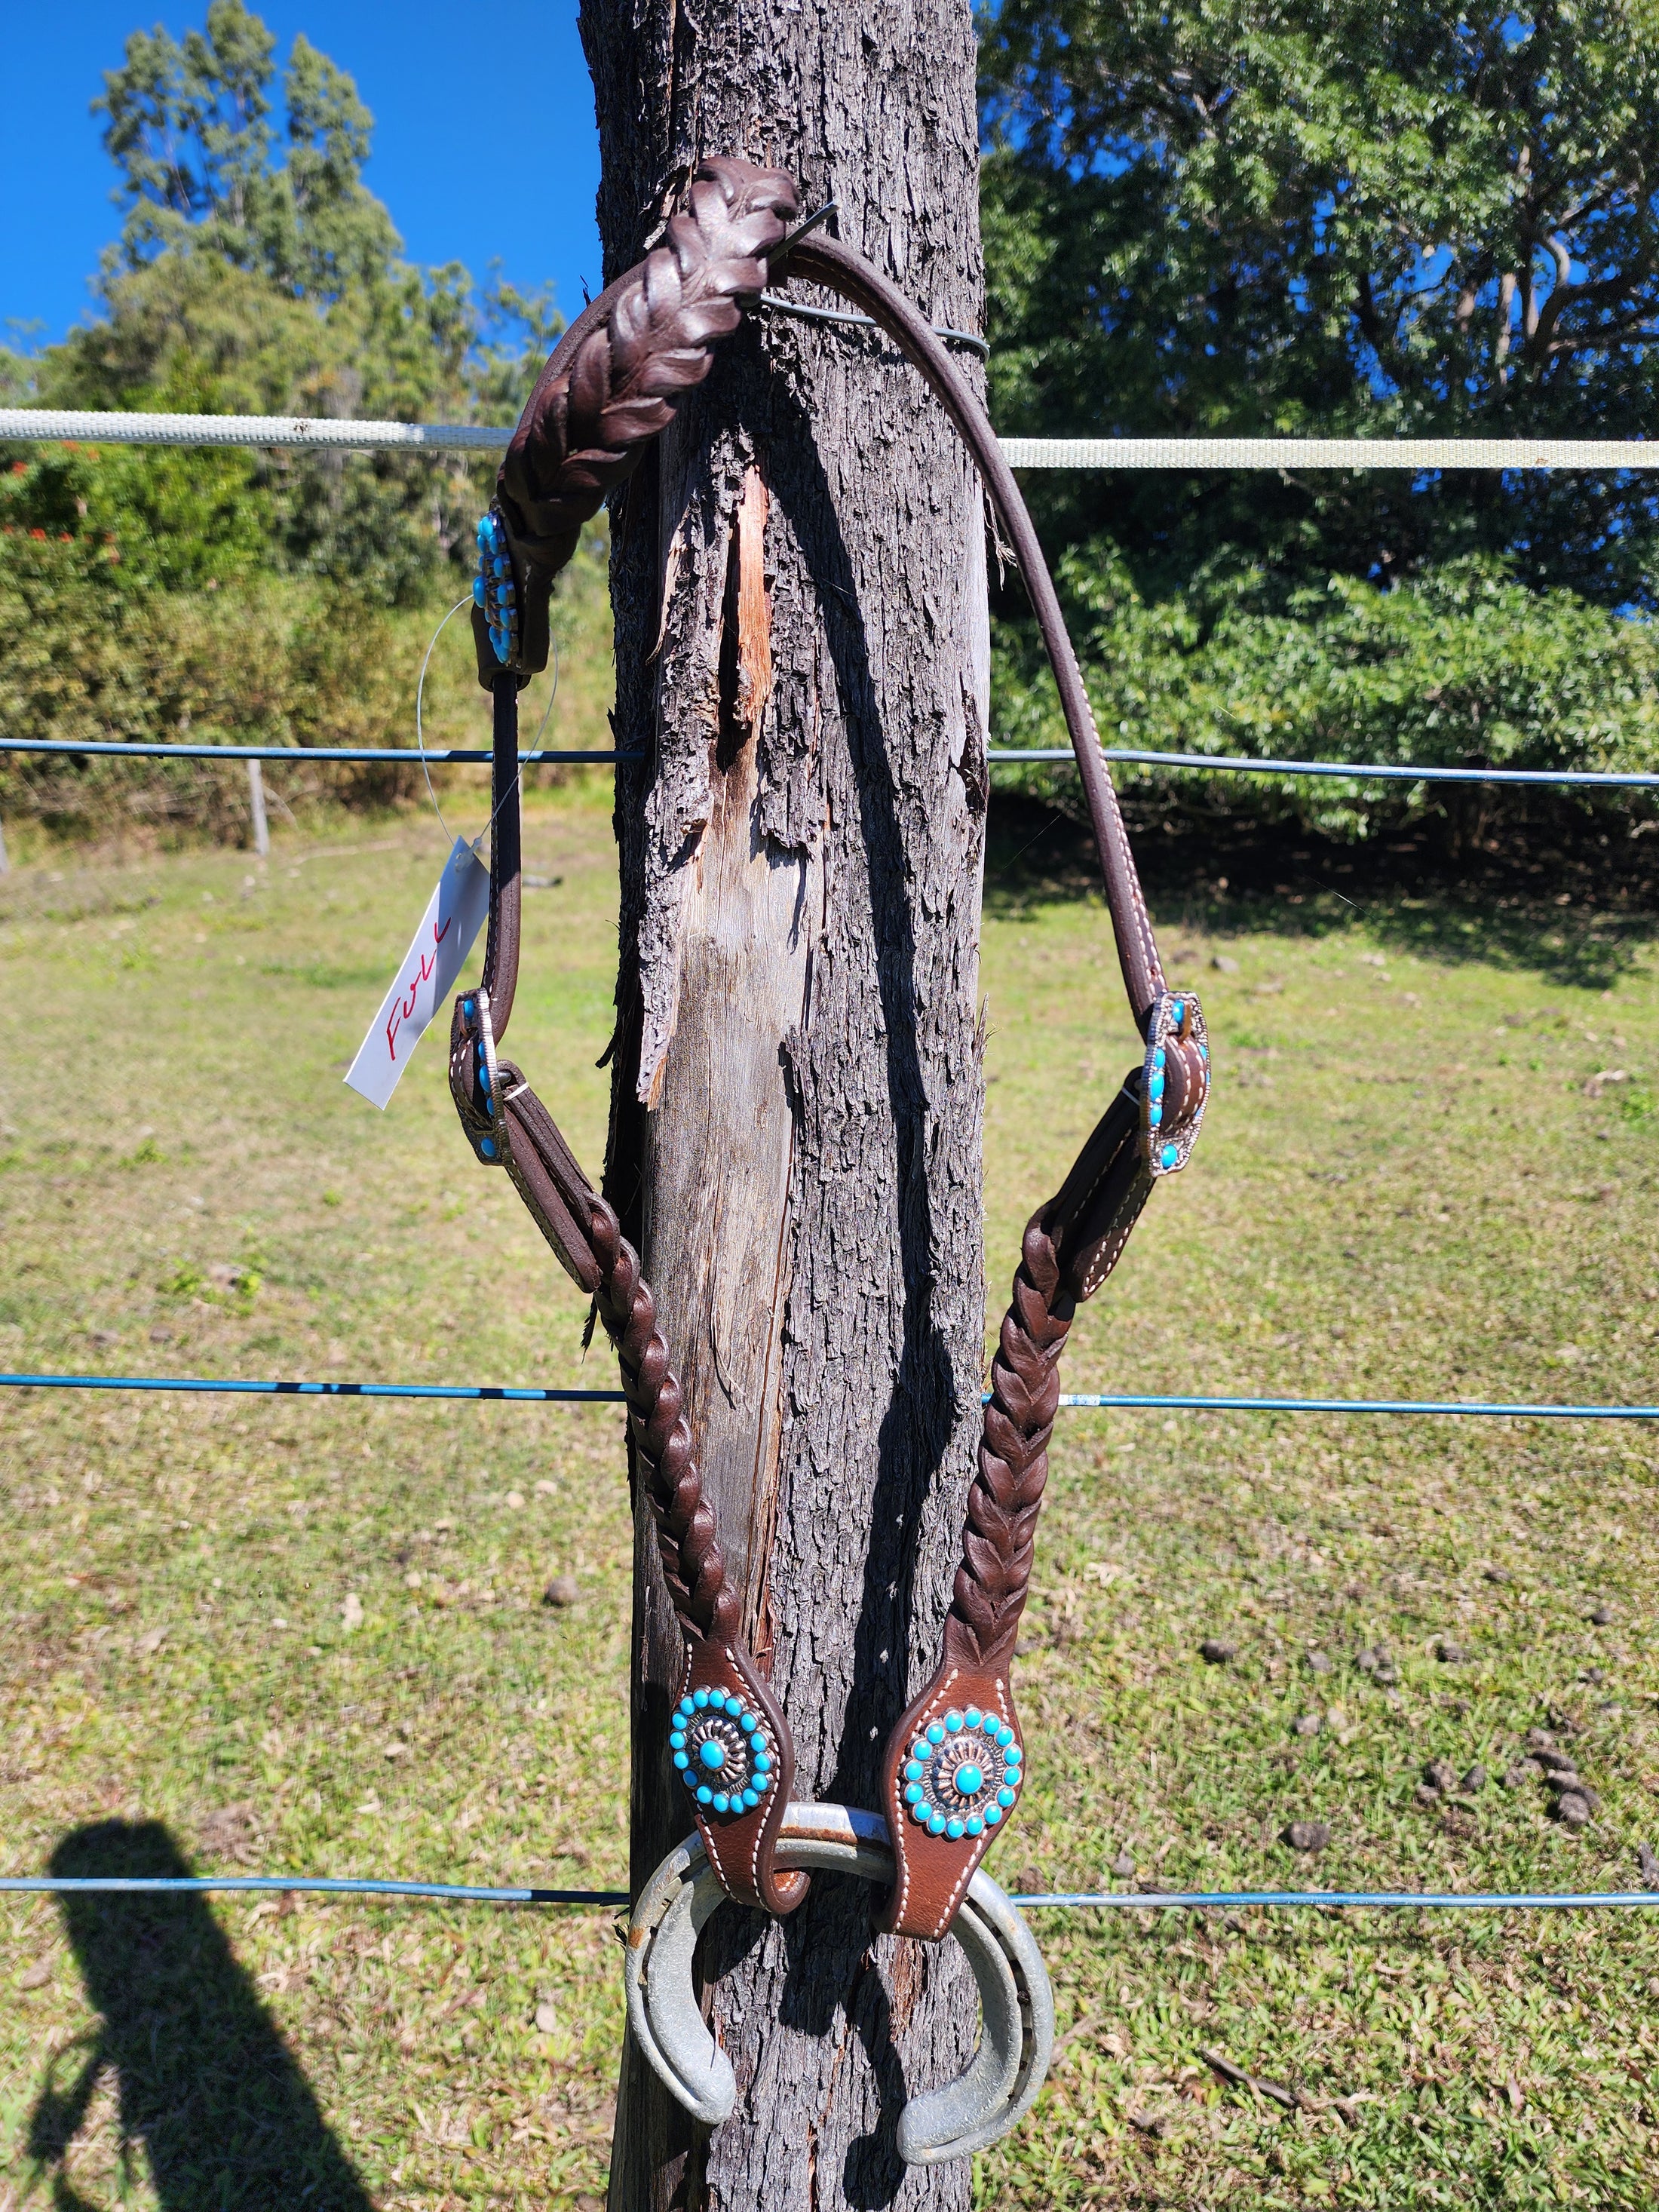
column 1122, row 1401
column 119, row 749
column 1152, row 1900
column 999, row 757
column 40, row 425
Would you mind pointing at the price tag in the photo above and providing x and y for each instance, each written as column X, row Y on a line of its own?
column 454, row 917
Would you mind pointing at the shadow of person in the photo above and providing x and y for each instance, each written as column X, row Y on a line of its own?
column 205, row 2086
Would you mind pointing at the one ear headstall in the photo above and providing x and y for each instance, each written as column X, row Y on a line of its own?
column 954, row 1766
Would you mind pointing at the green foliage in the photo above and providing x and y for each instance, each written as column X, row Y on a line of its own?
column 1208, row 217
column 1460, row 663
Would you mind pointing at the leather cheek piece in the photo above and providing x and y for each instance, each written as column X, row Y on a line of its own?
column 741, row 1844
column 923, row 1799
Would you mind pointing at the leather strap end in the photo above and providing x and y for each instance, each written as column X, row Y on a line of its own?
column 732, row 1748
column 951, row 1777
column 1090, row 1216
column 545, row 1173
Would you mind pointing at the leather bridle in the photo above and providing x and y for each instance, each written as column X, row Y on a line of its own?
column 953, row 1766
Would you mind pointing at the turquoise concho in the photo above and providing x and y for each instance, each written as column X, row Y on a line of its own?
column 493, row 588
column 1178, row 1020
column 964, row 1773
column 721, row 1749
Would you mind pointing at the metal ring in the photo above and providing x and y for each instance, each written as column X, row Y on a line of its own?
column 1016, row 2005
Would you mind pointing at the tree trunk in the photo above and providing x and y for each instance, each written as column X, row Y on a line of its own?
column 803, row 660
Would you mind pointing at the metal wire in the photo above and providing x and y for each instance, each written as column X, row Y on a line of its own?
column 1387, row 1900
column 1002, row 756
column 780, row 306
column 40, row 425
column 1127, row 1401
column 320, row 1885
column 1355, row 771
column 105, row 746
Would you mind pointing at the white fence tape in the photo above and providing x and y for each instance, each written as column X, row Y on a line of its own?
column 43, row 425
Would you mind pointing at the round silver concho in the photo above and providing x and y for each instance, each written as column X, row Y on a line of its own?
column 962, row 1774
column 721, row 1750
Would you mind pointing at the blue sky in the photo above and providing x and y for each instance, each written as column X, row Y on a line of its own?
column 429, row 76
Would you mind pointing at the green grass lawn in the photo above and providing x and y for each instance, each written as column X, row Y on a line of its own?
column 251, row 1634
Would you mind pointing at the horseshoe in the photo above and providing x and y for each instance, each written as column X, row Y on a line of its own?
column 1016, row 2003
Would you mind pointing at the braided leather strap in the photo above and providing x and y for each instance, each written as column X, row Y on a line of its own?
column 734, row 1710
column 953, row 1766
column 615, row 377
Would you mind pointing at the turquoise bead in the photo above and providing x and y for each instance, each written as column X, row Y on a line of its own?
column 1157, row 1057
column 919, row 1748
column 993, row 1815
column 953, row 1722
column 705, row 1795
column 912, row 1770
column 763, row 1762
column 712, row 1755
column 1004, row 1735
column 1005, row 1797
column 1014, row 1756
column 477, row 591
column 967, row 1778
column 690, row 1779
column 1154, row 1114
column 935, row 1734
column 973, row 1717
column 677, row 1740
column 722, row 1802
column 1178, row 1011
column 1170, row 1154
column 976, row 1826
column 953, row 1829
column 701, row 1700
column 990, row 1726
column 750, row 1798
column 686, row 1707
column 914, row 1793
column 936, row 1824
column 682, row 1759
column 919, row 1812
column 748, row 1723
column 757, row 1741
column 466, row 1008
column 488, row 1148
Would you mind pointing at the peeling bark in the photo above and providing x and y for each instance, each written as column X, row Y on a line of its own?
column 802, row 645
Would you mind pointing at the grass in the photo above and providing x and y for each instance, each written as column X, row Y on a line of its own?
column 279, row 1635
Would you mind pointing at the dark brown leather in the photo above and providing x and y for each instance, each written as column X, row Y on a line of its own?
column 615, row 379
column 509, row 1127
column 609, row 387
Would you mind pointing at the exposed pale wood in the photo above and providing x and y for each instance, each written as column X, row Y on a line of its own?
column 796, row 1136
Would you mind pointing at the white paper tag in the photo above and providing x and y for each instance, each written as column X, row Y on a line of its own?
column 454, row 917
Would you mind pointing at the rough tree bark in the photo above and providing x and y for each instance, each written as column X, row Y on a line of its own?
column 802, row 649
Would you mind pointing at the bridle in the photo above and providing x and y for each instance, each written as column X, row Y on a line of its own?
column 954, row 1765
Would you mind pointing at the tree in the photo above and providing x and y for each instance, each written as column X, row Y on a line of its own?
column 798, row 584
column 1213, row 217
column 256, row 272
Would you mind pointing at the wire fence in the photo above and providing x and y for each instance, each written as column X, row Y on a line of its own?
column 1122, row 1401
column 998, row 756
column 1414, row 455
column 1125, row 1901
